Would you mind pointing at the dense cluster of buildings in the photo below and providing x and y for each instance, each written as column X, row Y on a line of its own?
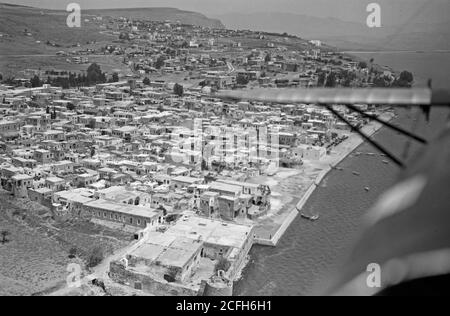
column 175, row 169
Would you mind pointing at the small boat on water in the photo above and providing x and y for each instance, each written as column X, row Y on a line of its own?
column 367, row 189
column 339, row 168
column 370, row 154
column 386, row 162
column 356, row 173
column 310, row 217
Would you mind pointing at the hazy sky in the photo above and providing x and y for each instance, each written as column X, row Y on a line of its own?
column 350, row 10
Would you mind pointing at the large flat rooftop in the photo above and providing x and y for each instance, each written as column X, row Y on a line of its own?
column 124, row 208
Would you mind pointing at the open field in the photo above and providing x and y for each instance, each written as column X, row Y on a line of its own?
column 10, row 65
column 36, row 256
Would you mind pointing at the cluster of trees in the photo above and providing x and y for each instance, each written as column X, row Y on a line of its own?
column 241, row 80
column 362, row 65
column 36, row 82
column 347, row 78
column 327, row 79
column 94, row 75
column 378, row 79
column 404, row 80
column 178, row 90
column 160, row 62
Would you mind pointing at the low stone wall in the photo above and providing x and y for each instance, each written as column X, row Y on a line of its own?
column 306, row 196
column 277, row 236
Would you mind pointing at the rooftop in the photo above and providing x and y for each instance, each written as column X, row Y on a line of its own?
column 124, row 208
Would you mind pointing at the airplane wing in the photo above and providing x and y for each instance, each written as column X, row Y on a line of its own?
column 414, row 96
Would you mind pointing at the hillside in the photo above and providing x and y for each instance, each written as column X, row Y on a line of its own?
column 23, row 27
column 161, row 14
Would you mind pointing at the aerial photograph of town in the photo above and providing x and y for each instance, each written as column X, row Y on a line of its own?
column 218, row 148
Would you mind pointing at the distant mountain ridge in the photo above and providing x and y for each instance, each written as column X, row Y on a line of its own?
column 345, row 34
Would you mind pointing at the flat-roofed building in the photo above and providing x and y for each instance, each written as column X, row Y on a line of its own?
column 55, row 184
column 20, row 184
column 131, row 215
column 180, row 259
column 9, row 129
column 42, row 156
column 183, row 182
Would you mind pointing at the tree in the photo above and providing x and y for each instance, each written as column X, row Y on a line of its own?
column 241, row 80
column 321, row 79
column 146, row 81
column 36, row 81
column 5, row 234
column 406, row 76
column 405, row 80
column 347, row 78
column 380, row 82
column 95, row 74
column 362, row 65
column 1, row 77
column 159, row 62
column 95, row 257
column 267, row 59
column 70, row 106
column 115, row 77
column 204, row 165
column 331, row 80
column 178, row 90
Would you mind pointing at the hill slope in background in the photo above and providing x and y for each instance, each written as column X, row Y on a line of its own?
column 42, row 25
column 161, row 14
column 24, row 27
column 347, row 35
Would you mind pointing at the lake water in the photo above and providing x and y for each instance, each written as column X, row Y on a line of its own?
column 309, row 250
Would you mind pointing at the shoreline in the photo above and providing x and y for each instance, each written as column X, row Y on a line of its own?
column 344, row 149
